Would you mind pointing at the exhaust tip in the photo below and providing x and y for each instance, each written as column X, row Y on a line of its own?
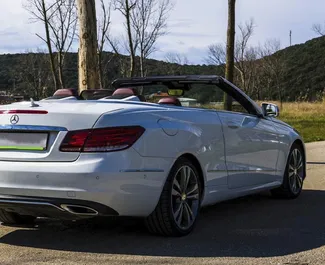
column 79, row 210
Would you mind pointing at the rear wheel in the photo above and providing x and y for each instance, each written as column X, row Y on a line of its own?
column 293, row 176
column 11, row 218
column 179, row 204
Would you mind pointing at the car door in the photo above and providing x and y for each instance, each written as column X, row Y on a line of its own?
column 251, row 147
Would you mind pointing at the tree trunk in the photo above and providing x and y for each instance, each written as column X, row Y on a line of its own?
column 88, row 60
column 130, row 38
column 60, row 63
column 230, row 50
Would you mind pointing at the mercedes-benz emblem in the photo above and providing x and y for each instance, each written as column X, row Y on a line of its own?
column 14, row 119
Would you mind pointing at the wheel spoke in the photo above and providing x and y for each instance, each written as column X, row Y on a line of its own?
column 176, row 193
column 187, row 214
column 293, row 184
column 185, row 177
column 193, row 190
column 189, row 210
column 179, row 213
column 178, row 186
column 298, row 182
column 294, row 153
column 291, row 167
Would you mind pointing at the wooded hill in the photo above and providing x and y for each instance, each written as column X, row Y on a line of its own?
column 294, row 73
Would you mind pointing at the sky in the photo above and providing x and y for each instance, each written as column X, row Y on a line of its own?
column 193, row 25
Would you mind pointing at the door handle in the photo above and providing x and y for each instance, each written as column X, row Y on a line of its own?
column 232, row 125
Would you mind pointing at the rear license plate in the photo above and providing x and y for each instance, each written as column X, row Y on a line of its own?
column 23, row 141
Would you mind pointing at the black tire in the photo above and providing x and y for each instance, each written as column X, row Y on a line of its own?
column 162, row 220
column 10, row 218
column 286, row 190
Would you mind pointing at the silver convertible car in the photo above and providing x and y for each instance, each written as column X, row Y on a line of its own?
column 160, row 157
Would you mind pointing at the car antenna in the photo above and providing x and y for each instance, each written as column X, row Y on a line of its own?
column 32, row 103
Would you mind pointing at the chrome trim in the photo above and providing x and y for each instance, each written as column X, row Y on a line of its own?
column 142, row 170
column 32, row 128
column 31, row 203
column 240, row 170
column 66, row 208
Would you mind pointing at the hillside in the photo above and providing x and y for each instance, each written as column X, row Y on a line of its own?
column 302, row 72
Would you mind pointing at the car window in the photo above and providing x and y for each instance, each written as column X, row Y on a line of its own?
column 208, row 96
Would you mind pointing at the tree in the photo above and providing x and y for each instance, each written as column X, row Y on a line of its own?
column 42, row 11
column 319, row 29
column 273, row 64
column 103, row 30
column 35, row 73
column 125, row 8
column 244, row 54
column 149, row 20
column 88, row 45
column 175, row 62
column 63, row 25
column 217, row 56
column 230, row 50
column 59, row 19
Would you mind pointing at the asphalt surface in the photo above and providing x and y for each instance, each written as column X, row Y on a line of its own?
column 251, row 230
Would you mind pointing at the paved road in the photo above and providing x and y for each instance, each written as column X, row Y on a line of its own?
column 252, row 230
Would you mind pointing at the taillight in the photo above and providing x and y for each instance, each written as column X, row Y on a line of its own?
column 101, row 139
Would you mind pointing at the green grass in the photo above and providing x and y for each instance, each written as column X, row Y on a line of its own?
column 307, row 118
column 311, row 128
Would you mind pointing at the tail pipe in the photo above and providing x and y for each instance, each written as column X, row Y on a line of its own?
column 79, row 209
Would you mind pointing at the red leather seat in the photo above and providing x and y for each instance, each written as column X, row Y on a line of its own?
column 170, row 101
column 65, row 92
column 125, row 91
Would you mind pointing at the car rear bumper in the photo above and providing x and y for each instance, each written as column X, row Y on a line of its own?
column 119, row 183
column 54, row 207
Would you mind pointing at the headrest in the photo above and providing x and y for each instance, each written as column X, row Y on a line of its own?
column 170, row 101
column 66, row 92
column 125, row 91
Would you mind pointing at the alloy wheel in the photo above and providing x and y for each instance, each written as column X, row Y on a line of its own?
column 296, row 171
column 185, row 197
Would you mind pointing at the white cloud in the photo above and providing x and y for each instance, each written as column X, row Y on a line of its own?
column 193, row 24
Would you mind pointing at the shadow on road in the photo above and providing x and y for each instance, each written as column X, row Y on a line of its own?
column 254, row 226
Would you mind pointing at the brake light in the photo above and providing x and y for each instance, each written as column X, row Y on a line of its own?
column 101, row 139
column 23, row 111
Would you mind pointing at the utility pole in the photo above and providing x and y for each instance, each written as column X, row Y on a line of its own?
column 290, row 36
column 88, row 45
column 230, row 58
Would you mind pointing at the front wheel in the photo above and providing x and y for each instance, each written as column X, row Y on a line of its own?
column 293, row 176
column 179, row 204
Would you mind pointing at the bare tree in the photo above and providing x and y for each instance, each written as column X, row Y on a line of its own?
column 274, row 65
column 44, row 11
column 149, row 20
column 125, row 8
column 230, row 57
column 178, row 58
column 63, row 25
column 103, row 36
column 216, row 54
column 35, row 74
column 242, row 51
column 175, row 61
column 319, row 29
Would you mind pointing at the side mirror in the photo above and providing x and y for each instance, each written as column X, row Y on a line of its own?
column 270, row 110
